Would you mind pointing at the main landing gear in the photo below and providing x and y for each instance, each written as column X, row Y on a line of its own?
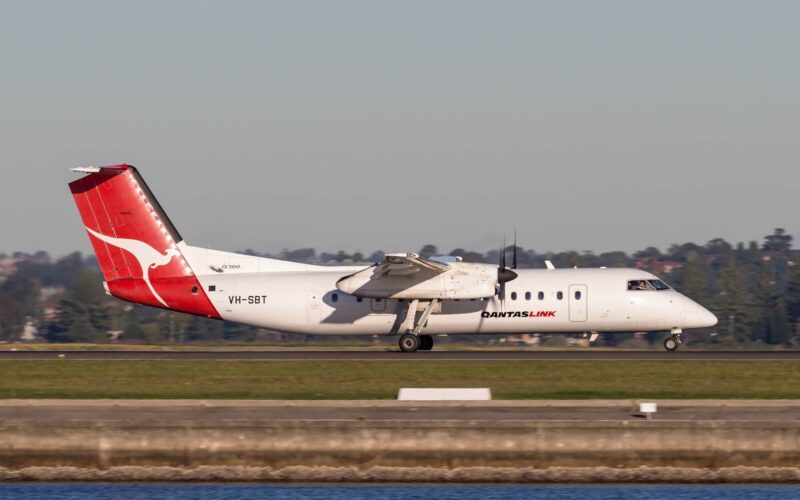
column 409, row 342
column 674, row 341
column 412, row 340
column 425, row 342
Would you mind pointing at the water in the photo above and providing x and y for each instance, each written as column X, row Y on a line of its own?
column 103, row 491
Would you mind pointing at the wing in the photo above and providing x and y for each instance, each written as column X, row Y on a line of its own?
column 410, row 264
column 399, row 275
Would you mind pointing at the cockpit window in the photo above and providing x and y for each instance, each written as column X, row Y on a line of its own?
column 658, row 285
column 638, row 285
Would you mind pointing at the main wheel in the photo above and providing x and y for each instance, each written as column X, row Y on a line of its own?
column 409, row 342
column 671, row 344
column 425, row 342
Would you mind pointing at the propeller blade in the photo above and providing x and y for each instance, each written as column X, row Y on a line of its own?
column 514, row 254
column 504, row 274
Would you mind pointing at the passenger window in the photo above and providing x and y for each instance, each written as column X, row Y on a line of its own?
column 541, row 295
column 359, row 299
column 513, row 295
column 334, row 297
column 527, row 295
column 560, row 295
column 577, row 295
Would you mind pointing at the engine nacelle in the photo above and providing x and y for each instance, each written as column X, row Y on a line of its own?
column 464, row 280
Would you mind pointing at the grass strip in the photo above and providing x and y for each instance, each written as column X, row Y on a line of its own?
column 72, row 379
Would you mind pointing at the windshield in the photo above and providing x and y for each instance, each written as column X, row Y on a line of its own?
column 658, row 284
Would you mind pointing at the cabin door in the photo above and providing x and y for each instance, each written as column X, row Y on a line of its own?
column 578, row 300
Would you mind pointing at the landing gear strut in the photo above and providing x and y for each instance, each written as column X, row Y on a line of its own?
column 673, row 342
column 412, row 340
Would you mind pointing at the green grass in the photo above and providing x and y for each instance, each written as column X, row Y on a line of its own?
column 380, row 380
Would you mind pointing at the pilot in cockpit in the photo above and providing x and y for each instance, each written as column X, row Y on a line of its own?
column 637, row 285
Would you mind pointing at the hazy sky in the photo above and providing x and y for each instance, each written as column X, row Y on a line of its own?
column 365, row 125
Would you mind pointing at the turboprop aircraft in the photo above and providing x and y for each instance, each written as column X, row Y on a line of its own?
column 146, row 261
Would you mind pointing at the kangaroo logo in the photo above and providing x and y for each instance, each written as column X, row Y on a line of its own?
column 148, row 257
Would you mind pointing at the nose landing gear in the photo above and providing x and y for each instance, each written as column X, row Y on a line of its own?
column 674, row 341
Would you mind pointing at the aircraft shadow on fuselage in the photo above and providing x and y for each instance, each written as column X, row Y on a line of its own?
column 347, row 309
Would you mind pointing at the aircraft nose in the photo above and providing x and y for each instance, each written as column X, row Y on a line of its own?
column 708, row 318
column 701, row 317
column 697, row 316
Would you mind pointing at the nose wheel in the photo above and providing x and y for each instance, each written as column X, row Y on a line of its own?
column 673, row 342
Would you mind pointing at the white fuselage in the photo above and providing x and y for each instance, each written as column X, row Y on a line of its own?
column 303, row 298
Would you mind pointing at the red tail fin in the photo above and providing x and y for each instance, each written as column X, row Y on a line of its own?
column 137, row 246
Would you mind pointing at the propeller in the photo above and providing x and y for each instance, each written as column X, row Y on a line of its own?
column 504, row 274
column 514, row 254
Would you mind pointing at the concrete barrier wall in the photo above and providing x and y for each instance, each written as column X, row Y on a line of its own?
column 450, row 444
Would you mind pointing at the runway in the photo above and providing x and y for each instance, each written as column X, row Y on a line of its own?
column 367, row 355
column 337, row 411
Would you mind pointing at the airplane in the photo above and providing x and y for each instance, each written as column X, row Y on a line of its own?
column 145, row 260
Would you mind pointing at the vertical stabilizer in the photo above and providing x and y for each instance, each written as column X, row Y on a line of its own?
column 137, row 246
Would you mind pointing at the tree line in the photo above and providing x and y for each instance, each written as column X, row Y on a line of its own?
column 753, row 288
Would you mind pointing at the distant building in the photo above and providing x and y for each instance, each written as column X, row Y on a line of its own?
column 49, row 292
column 29, row 332
column 8, row 265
